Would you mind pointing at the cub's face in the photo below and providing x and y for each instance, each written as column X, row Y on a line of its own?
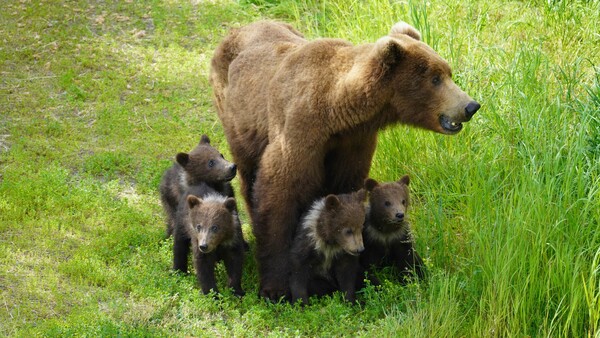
column 206, row 163
column 210, row 223
column 349, row 232
column 344, row 219
column 389, row 204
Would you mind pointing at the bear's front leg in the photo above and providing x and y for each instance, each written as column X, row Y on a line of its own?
column 301, row 269
column 365, row 274
column 345, row 271
column 407, row 260
column 205, row 271
column 299, row 285
column 371, row 258
column 287, row 182
column 181, row 250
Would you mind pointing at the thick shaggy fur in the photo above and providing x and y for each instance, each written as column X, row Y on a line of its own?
column 204, row 164
column 387, row 235
column 208, row 222
column 301, row 118
column 325, row 251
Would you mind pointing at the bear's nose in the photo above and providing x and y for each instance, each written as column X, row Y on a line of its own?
column 400, row 215
column 203, row 247
column 233, row 168
column 471, row 109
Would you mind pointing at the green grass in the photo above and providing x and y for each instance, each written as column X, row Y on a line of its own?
column 97, row 97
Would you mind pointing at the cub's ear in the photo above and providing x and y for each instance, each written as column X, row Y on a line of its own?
column 370, row 184
column 331, row 202
column 183, row 159
column 361, row 195
column 404, row 180
column 230, row 204
column 402, row 28
column 204, row 139
column 193, row 201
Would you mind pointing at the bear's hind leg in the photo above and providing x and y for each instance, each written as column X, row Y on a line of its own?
column 284, row 188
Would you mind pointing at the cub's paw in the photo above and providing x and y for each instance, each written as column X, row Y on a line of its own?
column 274, row 294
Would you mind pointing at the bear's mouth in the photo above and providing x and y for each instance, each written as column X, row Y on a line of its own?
column 204, row 251
column 450, row 127
column 352, row 253
column 230, row 177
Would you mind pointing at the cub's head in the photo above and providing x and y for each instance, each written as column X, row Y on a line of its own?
column 206, row 163
column 388, row 205
column 341, row 221
column 418, row 84
column 211, row 221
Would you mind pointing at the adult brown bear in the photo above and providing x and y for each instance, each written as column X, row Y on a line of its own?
column 302, row 117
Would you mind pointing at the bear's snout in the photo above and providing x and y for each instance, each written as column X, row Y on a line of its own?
column 356, row 251
column 203, row 247
column 471, row 109
column 400, row 216
column 231, row 172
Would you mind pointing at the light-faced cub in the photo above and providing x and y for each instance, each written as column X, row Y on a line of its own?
column 325, row 250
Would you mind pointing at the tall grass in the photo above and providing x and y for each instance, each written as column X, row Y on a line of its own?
column 506, row 213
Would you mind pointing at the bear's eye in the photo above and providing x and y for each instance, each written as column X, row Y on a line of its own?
column 436, row 80
column 211, row 163
column 223, row 157
column 214, row 228
column 198, row 227
column 348, row 232
column 387, row 203
column 403, row 202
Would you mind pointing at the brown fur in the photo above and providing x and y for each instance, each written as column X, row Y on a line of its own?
column 324, row 254
column 387, row 234
column 208, row 223
column 301, row 118
column 204, row 164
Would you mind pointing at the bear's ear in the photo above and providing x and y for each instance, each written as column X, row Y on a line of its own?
column 331, row 202
column 193, row 201
column 402, row 27
column 404, row 180
column 183, row 159
column 204, row 139
column 388, row 52
column 370, row 184
column 230, row 204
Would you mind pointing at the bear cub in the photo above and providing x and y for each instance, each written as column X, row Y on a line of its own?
column 387, row 235
column 325, row 250
column 207, row 221
column 204, row 164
